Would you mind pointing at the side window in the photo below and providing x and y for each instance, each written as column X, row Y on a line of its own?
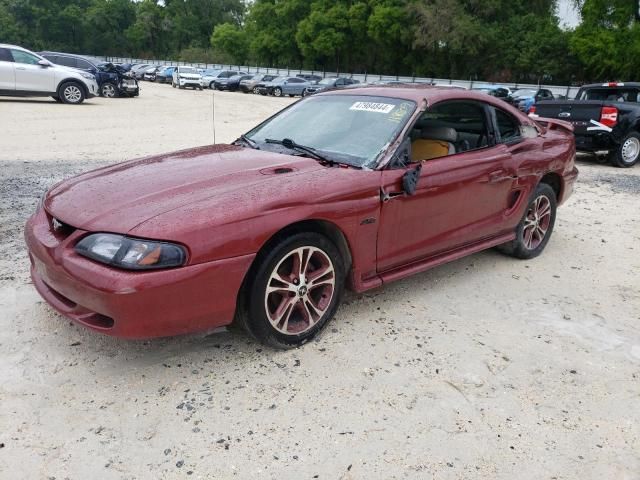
column 67, row 61
column 508, row 127
column 84, row 65
column 447, row 129
column 5, row 55
column 23, row 57
column 296, row 80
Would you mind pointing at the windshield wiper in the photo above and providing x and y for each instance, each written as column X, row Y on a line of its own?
column 291, row 145
column 248, row 141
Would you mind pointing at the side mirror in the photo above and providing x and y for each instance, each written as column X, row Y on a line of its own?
column 44, row 63
column 410, row 180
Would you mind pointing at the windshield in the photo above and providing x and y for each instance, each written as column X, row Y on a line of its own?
column 188, row 70
column 524, row 93
column 327, row 81
column 210, row 72
column 352, row 129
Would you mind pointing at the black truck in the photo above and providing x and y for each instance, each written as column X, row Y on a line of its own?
column 605, row 118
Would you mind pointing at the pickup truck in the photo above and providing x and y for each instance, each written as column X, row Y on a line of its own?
column 605, row 118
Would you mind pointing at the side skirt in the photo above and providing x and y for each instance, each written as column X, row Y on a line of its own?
column 431, row 262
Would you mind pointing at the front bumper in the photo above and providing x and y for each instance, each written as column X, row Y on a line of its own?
column 92, row 88
column 130, row 304
column 190, row 82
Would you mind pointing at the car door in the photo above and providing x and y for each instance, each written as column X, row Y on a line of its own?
column 461, row 197
column 7, row 72
column 29, row 75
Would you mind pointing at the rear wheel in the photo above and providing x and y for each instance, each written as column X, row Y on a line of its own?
column 71, row 92
column 534, row 230
column 628, row 153
column 295, row 291
column 255, row 90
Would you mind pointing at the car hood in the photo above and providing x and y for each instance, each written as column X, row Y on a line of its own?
column 193, row 76
column 120, row 197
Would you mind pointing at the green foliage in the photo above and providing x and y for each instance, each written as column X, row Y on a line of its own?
column 231, row 41
column 501, row 40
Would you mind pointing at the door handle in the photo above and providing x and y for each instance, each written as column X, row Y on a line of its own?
column 20, row 68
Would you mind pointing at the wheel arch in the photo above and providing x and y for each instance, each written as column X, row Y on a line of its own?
column 554, row 180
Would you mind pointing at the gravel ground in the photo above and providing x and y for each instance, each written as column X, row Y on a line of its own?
column 484, row 368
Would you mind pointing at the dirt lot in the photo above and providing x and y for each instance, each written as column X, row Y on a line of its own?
column 485, row 368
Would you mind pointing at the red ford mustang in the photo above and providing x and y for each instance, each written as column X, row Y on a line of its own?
column 351, row 188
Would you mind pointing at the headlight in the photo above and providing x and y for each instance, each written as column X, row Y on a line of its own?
column 88, row 75
column 131, row 253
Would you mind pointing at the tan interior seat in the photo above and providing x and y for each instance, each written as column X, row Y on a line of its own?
column 433, row 142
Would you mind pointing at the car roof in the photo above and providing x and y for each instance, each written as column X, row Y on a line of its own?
column 611, row 84
column 421, row 93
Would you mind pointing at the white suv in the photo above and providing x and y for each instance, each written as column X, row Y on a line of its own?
column 186, row 77
column 26, row 74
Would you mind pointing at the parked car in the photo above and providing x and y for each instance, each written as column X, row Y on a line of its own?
column 418, row 177
column 524, row 98
column 150, row 73
column 309, row 77
column 494, row 90
column 121, row 83
column 165, row 75
column 138, row 70
column 329, row 82
column 231, row 84
column 251, row 84
column 210, row 76
column 605, row 118
column 27, row 74
column 280, row 86
column 107, row 81
column 183, row 77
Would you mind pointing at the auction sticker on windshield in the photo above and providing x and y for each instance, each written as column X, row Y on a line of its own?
column 372, row 107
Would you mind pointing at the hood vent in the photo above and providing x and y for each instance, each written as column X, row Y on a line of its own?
column 276, row 170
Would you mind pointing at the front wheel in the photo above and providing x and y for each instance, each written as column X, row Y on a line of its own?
column 534, row 230
column 256, row 91
column 71, row 93
column 277, row 92
column 295, row 291
column 108, row 90
column 628, row 153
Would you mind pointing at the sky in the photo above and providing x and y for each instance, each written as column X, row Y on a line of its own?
column 568, row 14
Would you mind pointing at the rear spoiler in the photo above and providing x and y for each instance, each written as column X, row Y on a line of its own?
column 552, row 123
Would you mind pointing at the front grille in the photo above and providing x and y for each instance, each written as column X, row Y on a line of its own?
column 59, row 228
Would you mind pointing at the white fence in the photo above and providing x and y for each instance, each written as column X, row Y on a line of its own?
column 565, row 90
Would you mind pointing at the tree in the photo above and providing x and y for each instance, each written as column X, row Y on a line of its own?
column 230, row 40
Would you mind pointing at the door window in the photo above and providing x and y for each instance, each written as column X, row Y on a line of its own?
column 5, row 55
column 449, row 128
column 23, row 57
column 508, row 127
column 84, row 65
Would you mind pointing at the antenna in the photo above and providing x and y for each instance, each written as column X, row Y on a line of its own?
column 213, row 114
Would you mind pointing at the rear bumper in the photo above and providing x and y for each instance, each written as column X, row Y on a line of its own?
column 595, row 142
column 131, row 304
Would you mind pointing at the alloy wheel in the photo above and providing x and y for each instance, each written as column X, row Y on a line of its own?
column 536, row 222
column 108, row 90
column 299, row 290
column 72, row 94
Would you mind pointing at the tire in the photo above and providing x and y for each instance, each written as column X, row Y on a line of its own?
column 283, row 317
column 108, row 90
column 535, row 229
column 628, row 154
column 71, row 93
column 255, row 91
column 173, row 84
column 304, row 93
column 277, row 92
column 211, row 86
